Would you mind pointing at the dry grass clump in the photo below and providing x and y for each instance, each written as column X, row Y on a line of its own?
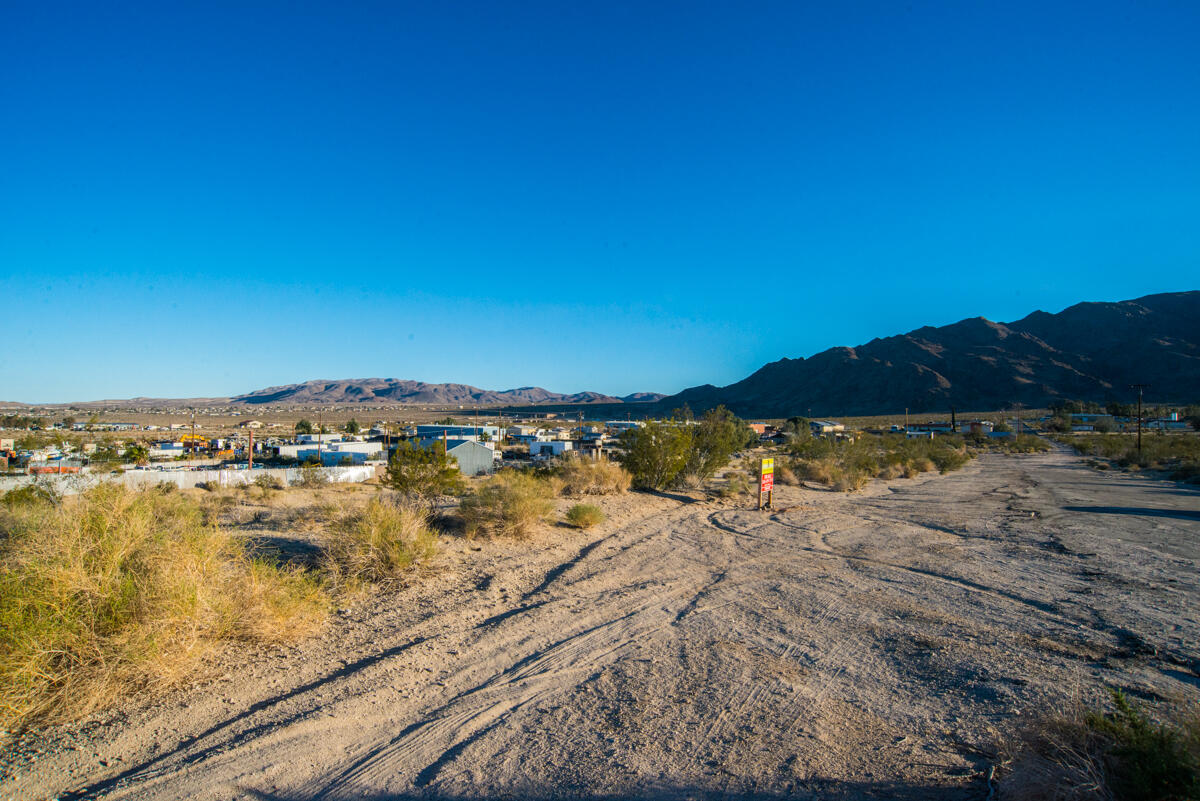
column 508, row 503
column 736, row 484
column 581, row 476
column 818, row 470
column 1120, row 755
column 850, row 480
column 785, row 475
column 585, row 515
column 115, row 590
column 377, row 544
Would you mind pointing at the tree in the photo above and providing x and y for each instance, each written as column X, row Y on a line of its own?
column 304, row 427
column 1121, row 409
column 136, row 452
column 684, row 412
column 68, row 422
column 423, row 474
column 352, row 427
column 797, row 427
column 654, row 454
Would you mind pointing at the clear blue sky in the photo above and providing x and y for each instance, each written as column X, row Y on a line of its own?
column 208, row 198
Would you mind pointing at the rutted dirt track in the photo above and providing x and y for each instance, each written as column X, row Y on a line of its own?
column 843, row 646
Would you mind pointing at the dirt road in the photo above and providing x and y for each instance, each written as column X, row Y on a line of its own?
column 869, row 645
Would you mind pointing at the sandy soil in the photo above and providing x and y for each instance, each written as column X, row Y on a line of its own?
column 870, row 645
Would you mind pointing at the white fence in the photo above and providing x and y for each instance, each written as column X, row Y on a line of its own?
column 69, row 484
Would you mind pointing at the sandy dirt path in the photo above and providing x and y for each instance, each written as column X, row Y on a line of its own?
column 845, row 646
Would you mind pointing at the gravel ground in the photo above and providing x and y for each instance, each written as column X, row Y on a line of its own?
column 853, row 646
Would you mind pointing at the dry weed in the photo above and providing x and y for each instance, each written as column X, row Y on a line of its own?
column 592, row 477
column 508, row 503
column 118, row 590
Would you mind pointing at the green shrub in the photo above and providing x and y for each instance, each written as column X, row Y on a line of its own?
column 30, row 495
column 508, row 503
column 378, row 543
column 1120, row 755
column 423, row 474
column 584, row 515
column 267, row 482
column 1146, row 760
column 654, row 454
column 116, row 591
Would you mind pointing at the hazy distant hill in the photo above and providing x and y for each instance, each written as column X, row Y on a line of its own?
column 1090, row 351
column 394, row 390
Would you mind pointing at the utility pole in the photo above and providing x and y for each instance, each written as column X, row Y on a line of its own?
column 1139, row 388
column 193, row 448
column 250, row 449
column 320, row 428
column 1017, row 411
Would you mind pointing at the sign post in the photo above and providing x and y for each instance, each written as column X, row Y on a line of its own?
column 766, row 483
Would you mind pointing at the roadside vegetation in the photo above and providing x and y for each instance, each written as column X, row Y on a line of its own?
column 377, row 544
column 1178, row 454
column 114, row 591
column 847, row 465
column 1119, row 754
column 509, row 503
column 585, row 515
column 660, row 455
column 579, row 476
column 423, row 475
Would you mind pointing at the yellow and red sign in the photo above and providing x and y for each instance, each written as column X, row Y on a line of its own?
column 766, row 474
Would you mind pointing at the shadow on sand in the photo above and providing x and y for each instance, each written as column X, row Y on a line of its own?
column 1180, row 514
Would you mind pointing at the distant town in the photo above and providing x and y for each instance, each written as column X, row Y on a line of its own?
column 222, row 446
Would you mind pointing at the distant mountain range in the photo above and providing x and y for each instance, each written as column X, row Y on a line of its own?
column 1090, row 351
column 394, row 390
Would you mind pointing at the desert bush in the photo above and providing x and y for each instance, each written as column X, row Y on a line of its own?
column 267, row 482
column 117, row 591
column 1178, row 453
column 818, row 470
column 948, row 459
column 30, row 495
column 657, row 455
column 1120, row 755
column 311, row 477
column 846, row 465
column 850, row 480
column 591, row 477
column 736, row 484
column 508, row 503
column 378, row 543
column 654, row 454
column 422, row 475
column 785, row 475
column 584, row 515
column 717, row 436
